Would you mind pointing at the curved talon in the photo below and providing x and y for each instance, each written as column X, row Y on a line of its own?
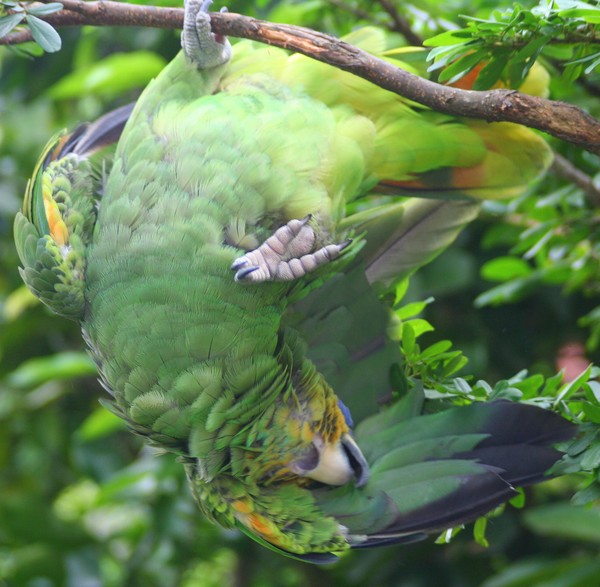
column 243, row 274
column 239, row 263
column 286, row 255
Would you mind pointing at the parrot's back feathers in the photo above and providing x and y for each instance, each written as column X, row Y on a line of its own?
column 409, row 149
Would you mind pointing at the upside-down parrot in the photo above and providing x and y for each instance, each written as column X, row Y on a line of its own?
column 231, row 273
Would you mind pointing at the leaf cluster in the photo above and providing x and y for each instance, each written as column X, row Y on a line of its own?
column 504, row 47
column 20, row 13
column 435, row 368
column 553, row 240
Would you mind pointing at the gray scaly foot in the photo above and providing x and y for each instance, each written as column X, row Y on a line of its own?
column 286, row 255
column 199, row 43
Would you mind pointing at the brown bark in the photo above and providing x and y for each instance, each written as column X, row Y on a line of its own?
column 559, row 119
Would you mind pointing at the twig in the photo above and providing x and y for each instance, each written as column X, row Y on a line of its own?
column 110, row 13
column 400, row 24
column 354, row 10
column 559, row 119
column 565, row 169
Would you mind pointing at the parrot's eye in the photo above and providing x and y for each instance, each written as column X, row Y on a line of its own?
column 308, row 461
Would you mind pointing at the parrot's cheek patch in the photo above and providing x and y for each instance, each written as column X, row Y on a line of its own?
column 334, row 463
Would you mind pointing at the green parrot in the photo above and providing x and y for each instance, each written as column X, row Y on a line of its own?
column 231, row 270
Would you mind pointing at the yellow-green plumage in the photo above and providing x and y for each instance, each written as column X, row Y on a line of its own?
column 237, row 378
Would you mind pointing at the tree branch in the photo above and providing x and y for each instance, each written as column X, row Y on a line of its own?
column 565, row 169
column 559, row 119
column 400, row 24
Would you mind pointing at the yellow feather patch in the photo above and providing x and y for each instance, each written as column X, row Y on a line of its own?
column 58, row 228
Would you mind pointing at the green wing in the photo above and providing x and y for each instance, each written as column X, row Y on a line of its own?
column 433, row 472
column 59, row 211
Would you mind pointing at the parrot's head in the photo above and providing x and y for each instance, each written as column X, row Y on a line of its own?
column 311, row 438
column 303, row 441
column 332, row 456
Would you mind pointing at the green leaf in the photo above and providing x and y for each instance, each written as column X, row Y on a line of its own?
column 580, row 445
column 35, row 372
column 524, row 60
column 437, row 348
column 401, row 289
column 505, row 268
column 449, row 38
column 565, row 521
column 462, row 66
column 571, row 72
column 420, row 326
column 412, row 309
column 492, row 72
column 593, row 66
column 462, row 386
column 508, row 392
column 484, row 386
column 44, row 34
column 531, row 50
column 441, row 56
column 552, row 384
column 98, row 424
column 591, row 457
column 408, row 338
column 543, row 572
column 44, row 9
column 454, row 365
column 9, row 22
column 570, row 388
column 17, row 302
column 111, row 76
column 510, row 291
column 593, row 392
column 584, row 59
column 518, row 501
column 591, row 14
column 587, row 495
column 479, row 532
column 592, row 413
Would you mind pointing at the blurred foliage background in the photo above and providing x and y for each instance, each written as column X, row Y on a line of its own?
column 83, row 503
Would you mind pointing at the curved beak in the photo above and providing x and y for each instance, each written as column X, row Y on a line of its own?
column 359, row 464
column 338, row 463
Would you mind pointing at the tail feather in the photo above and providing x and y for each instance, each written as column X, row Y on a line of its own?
column 101, row 133
column 441, row 470
column 531, row 466
column 475, row 497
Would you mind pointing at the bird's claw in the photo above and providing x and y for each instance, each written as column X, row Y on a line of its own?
column 199, row 43
column 286, row 255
